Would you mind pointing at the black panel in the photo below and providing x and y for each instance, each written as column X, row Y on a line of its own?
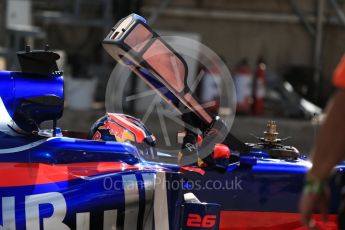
column 38, row 61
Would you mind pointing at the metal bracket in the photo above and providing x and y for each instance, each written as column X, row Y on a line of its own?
column 339, row 11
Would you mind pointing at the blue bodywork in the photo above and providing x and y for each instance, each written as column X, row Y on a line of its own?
column 252, row 184
column 16, row 87
column 62, row 150
column 31, row 99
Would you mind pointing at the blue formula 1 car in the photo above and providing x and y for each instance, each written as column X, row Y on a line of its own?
column 53, row 179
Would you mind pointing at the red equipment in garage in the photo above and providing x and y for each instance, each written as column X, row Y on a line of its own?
column 258, row 93
column 243, row 78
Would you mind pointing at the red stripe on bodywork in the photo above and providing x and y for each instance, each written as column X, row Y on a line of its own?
column 242, row 220
column 22, row 174
column 185, row 169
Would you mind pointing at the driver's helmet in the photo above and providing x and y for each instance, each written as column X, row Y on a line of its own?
column 124, row 128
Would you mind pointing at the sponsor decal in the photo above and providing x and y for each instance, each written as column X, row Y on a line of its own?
column 22, row 208
column 97, row 136
column 32, row 211
column 198, row 221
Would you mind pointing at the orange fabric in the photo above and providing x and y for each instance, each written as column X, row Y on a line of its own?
column 339, row 74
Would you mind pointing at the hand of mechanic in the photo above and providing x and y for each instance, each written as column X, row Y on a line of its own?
column 315, row 197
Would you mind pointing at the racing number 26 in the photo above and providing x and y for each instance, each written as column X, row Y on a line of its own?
column 197, row 221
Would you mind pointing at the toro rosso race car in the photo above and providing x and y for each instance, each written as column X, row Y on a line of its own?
column 54, row 179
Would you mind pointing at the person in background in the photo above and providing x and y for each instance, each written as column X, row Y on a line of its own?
column 329, row 151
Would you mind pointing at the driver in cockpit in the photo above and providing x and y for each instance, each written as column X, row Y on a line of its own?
column 124, row 128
